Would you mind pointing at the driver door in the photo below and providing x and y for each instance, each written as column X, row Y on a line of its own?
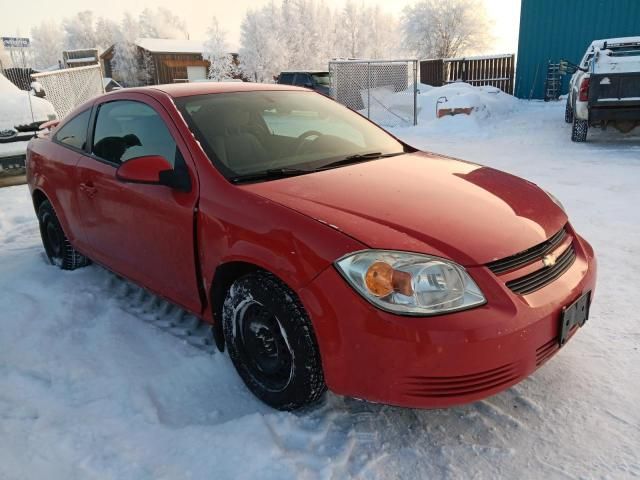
column 143, row 232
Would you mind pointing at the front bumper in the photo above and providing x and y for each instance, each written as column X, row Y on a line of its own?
column 432, row 362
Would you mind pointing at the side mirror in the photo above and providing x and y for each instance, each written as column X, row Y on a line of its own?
column 308, row 84
column 153, row 170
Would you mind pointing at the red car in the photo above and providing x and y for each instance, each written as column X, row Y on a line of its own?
column 323, row 251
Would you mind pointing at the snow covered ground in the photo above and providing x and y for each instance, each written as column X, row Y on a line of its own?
column 90, row 391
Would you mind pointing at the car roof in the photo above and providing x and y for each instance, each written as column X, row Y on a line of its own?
column 177, row 90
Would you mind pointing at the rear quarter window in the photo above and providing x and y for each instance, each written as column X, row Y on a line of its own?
column 74, row 133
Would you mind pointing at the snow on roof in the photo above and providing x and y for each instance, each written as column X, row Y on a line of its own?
column 82, row 50
column 600, row 43
column 167, row 45
column 107, row 80
column 82, row 60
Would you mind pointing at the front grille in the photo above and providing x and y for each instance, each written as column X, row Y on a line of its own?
column 528, row 256
column 435, row 387
column 538, row 279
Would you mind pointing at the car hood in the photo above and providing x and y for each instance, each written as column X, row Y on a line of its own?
column 426, row 203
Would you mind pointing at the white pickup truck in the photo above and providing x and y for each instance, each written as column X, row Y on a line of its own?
column 605, row 89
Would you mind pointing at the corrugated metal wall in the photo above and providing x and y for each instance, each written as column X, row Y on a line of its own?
column 555, row 29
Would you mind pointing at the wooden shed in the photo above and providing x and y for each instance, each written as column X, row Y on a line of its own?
column 172, row 60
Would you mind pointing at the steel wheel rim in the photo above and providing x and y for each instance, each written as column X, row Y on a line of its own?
column 263, row 346
column 52, row 237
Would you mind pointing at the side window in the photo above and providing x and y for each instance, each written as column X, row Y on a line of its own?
column 302, row 79
column 74, row 132
column 126, row 129
column 286, row 78
column 586, row 60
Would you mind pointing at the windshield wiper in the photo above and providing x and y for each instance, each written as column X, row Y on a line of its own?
column 360, row 157
column 275, row 173
column 269, row 174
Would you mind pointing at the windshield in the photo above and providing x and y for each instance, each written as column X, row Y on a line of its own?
column 322, row 79
column 254, row 132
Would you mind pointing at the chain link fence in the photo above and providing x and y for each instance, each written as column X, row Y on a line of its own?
column 385, row 91
column 69, row 87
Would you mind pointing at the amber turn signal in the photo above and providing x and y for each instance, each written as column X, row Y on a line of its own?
column 382, row 279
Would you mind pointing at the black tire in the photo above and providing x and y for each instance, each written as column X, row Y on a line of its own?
column 271, row 342
column 56, row 244
column 568, row 112
column 579, row 130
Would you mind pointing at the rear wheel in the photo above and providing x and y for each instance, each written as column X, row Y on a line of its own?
column 271, row 342
column 56, row 244
column 579, row 130
column 568, row 112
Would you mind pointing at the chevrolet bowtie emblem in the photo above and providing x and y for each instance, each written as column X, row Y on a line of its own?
column 549, row 260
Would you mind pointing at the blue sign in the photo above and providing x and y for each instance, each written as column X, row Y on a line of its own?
column 15, row 42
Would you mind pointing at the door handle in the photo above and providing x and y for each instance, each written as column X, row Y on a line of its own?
column 89, row 189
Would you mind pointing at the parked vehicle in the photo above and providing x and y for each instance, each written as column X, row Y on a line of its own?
column 323, row 251
column 21, row 113
column 315, row 80
column 605, row 89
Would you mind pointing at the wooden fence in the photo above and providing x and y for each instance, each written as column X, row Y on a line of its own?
column 497, row 71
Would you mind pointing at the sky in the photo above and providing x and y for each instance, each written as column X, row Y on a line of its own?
column 16, row 20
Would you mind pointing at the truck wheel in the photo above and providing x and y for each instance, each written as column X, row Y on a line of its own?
column 568, row 112
column 271, row 342
column 579, row 130
column 56, row 244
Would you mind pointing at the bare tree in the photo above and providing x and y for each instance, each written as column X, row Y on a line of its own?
column 351, row 18
column 444, row 29
column 130, row 66
column 262, row 56
column 80, row 31
column 47, row 40
column 216, row 50
column 306, row 34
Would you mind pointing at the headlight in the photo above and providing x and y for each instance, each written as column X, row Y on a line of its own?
column 555, row 200
column 410, row 283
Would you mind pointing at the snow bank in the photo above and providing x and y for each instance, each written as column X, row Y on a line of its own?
column 487, row 102
column 15, row 109
column 489, row 105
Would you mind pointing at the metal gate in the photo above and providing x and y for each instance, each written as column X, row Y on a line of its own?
column 385, row 91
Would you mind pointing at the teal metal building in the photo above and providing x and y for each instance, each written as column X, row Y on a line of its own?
column 551, row 30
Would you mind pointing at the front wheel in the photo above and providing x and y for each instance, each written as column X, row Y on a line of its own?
column 271, row 342
column 579, row 130
column 55, row 242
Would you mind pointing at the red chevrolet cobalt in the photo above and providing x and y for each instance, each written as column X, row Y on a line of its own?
column 324, row 252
